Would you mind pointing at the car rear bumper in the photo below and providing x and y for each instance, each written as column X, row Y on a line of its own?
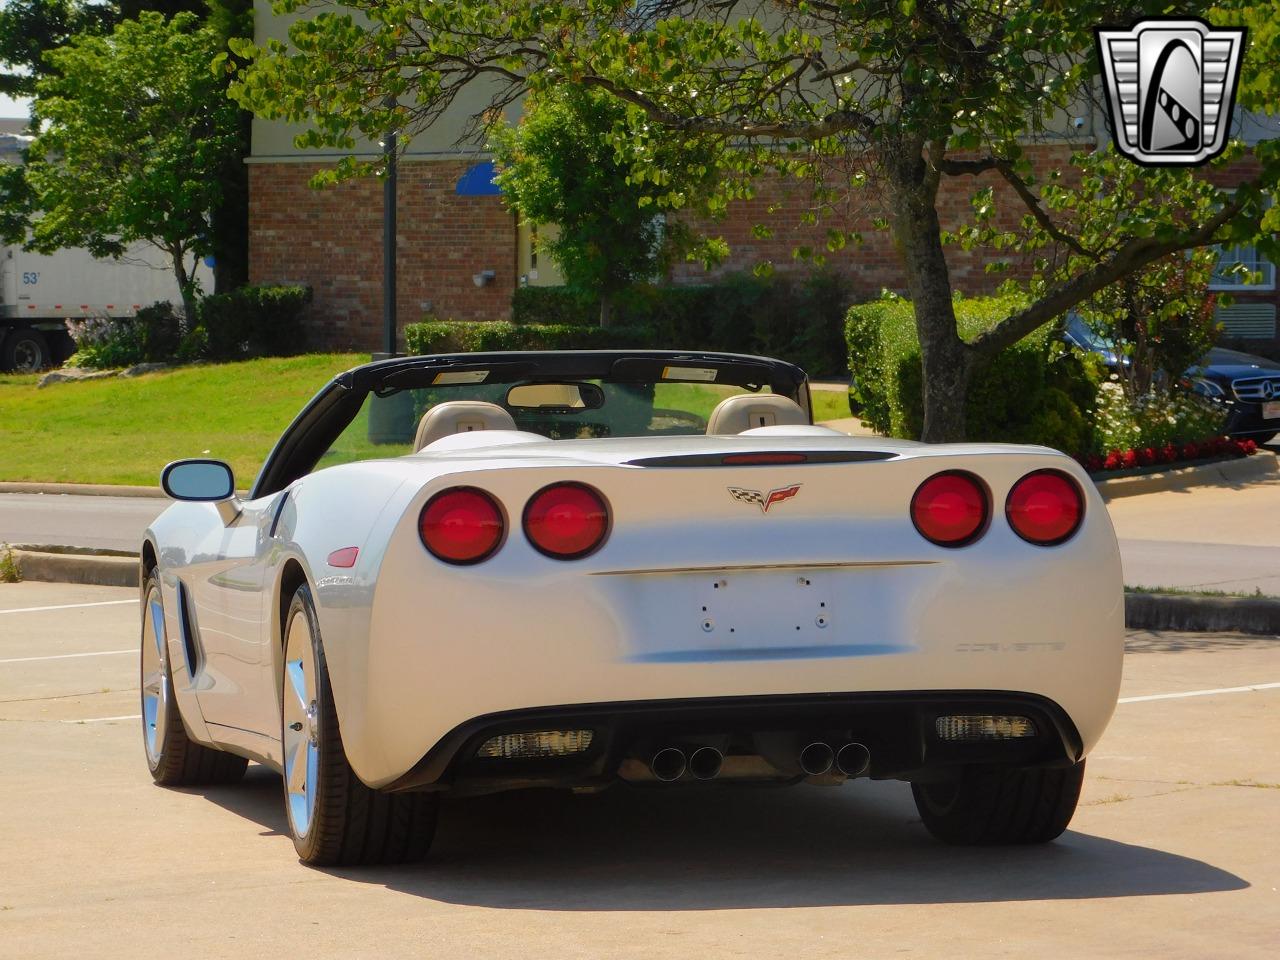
column 899, row 730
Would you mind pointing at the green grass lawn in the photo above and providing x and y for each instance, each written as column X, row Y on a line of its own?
column 124, row 431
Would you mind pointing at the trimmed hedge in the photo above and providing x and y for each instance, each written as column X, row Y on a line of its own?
column 459, row 336
column 249, row 322
column 1036, row 391
column 800, row 319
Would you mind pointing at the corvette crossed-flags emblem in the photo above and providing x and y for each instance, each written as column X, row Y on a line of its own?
column 764, row 499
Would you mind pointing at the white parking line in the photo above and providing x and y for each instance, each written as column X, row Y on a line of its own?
column 130, row 716
column 70, row 606
column 70, row 656
column 1200, row 693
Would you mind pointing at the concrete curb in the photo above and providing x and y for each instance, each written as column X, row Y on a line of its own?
column 1260, row 466
column 1171, row 611
column 102, row 571
column 80, row 489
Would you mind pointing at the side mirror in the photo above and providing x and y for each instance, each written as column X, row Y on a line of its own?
column 202, row 481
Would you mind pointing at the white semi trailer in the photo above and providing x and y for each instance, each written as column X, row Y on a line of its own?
column 38, row 293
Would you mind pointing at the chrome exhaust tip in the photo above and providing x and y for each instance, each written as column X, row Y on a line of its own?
column 853, row 760
column 705, row 763
column 816, row 758
column 668, row 764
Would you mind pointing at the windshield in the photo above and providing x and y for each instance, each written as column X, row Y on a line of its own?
column 558, row 408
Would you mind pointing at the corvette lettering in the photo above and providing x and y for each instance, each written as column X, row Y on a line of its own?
column 764, row 499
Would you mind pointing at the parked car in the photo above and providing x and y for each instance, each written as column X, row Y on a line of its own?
column 1246, row 385
column 693, row 585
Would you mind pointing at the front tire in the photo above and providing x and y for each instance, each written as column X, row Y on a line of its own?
column 1001, row 806
column 334, row 819
column 174, row 759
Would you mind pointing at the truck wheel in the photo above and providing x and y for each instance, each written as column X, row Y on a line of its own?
column 25, row 351
column 1002, row 806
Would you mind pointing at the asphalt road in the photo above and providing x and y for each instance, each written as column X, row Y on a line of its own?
column 105, row 523
column 1173, row 852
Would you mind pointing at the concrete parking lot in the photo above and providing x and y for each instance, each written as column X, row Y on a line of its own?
column 1175, row 851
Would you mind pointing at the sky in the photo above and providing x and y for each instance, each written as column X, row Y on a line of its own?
column 14, row 108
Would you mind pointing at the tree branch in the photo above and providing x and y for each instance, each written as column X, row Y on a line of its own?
column 1133, row 255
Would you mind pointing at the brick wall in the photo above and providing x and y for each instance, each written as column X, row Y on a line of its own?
column 331, row 240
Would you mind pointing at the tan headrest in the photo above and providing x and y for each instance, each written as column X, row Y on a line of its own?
column 748, row 411
column 460, row 416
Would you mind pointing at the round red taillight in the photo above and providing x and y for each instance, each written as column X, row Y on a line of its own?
column 461, row 525
column 566, row 520
column 950, row 509
column 1045, row 507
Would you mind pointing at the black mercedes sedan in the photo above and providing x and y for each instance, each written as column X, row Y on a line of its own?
column 1248, row 386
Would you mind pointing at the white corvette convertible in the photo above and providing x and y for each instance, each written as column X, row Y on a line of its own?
column 484, row 572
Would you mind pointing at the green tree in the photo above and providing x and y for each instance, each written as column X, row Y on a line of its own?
column 31, row 28
column 562, row 165
column 135, row 126
column 906, row 92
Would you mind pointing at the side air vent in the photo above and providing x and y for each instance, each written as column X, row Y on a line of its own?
column 190, row 646
column 761, row 458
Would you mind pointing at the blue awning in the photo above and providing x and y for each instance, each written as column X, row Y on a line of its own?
column 478, row 181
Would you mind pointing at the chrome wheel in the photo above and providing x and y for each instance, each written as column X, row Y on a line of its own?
column 301, row 731
column 156, row 691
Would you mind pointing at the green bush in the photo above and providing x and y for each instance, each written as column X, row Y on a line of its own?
column 796, row 319
column 460, row 336
column 152, row 335
column 1037, row 391
column 254, row 322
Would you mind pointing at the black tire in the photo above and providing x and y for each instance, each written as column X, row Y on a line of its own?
column 1002, row 806
column 25, row 351
column 1261, row 438
column 350, row 823
column 178, row 761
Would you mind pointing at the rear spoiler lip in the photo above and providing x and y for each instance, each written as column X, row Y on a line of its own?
column 718, row 459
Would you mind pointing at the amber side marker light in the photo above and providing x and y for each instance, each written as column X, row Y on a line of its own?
column 951, row 509
column 461, row 525
column 1045, row 508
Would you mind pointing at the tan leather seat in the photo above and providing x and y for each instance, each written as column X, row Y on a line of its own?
column 460, row 416
column 748, row 411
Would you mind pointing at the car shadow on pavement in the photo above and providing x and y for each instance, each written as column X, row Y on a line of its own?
column 706, row 848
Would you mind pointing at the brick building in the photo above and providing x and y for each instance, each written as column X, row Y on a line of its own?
column 461, row 254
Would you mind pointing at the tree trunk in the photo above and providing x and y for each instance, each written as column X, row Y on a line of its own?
column 946, row 361
column 185, row 285
column 606, row 310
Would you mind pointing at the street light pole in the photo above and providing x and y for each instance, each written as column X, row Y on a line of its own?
column 389, row 246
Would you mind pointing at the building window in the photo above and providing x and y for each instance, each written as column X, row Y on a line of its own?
column 1228, row 276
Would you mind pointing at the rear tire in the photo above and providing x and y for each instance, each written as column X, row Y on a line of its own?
column 175, row 760
column 1003, row 806
column 1261, row 438
column 25, row 351
column 334, row 819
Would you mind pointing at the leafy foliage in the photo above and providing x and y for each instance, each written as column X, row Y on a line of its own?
column 134, row 124
column 152, row 335
column 568, row 163
column 31, row 28
column 1035, row 392
column 252, row 321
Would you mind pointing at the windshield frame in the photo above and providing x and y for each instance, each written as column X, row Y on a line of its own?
column 339, row 402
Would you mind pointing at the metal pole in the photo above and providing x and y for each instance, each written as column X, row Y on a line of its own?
column 389, row 246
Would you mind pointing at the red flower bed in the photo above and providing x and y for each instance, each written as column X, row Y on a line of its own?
column 1169, row 453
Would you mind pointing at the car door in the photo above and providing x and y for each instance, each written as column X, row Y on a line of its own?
column 228, row 608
